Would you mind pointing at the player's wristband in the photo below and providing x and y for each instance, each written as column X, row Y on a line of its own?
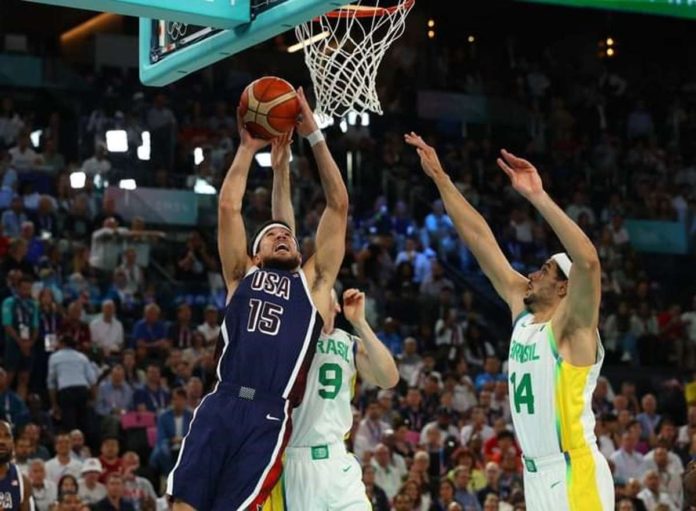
column 315, row 137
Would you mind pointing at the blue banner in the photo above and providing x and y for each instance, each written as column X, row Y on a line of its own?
column 657, row 236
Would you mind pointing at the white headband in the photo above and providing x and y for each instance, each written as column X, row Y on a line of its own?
column 262, row 233
column 564, row 263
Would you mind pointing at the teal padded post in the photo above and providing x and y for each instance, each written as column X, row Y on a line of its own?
column 269, row 23
column 207, row 13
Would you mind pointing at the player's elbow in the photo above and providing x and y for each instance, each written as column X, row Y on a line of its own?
column 229, row 207
column 389, row 379
column 339, row 203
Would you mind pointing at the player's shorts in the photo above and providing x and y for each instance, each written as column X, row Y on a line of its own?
column 320, row 478
column 577, row 480
column 231, row 457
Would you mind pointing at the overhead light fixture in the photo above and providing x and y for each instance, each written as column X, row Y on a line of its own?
column 127, row 184
column 323, row 121
column 117, row 141
column 197, row 155
column 471, row 39
column 344, row 126
column 77, row 180
column 144, row 149
column 264, row 159
column 364, row 119
column 318, row 37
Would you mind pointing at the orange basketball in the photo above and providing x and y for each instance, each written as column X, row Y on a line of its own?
column 269, row 107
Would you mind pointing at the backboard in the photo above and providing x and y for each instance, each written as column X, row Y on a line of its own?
column 170, row 50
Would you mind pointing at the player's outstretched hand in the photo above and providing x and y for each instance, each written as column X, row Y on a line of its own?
column 251, row 143
column 306, row 125
column 524, row 177
column 280, row 151
column 354, row 305
column 428, row 157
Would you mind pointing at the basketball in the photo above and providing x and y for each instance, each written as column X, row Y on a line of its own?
column 269, row 107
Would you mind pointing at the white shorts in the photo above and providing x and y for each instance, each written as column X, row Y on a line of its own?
column 575, row 481
column 323, row 478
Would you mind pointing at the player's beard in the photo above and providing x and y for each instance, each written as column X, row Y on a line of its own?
column 5, row 456
column 277, row 263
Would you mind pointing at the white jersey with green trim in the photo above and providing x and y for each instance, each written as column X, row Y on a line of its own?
column 325, row 415
column 550, row 399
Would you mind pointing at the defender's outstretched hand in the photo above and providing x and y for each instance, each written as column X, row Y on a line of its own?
column 428, row 157
column 251, row 143
column 354, row 305
column 523, row 175
column 280, row 151
column 306, row 125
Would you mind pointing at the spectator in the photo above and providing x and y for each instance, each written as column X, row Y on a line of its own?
column 13, row 218
column 106, row 245
column 669, row 473
column 22, row 156
column 491, row 374
column 375, row 494
column 390, row 336
column 150, row 334
column 413, row 411
column 67, row 485
column 136, row 489
column 20, row 319
column 445, row 496
column 14, row 411
column 114, row 500
column 98, row 164
column 210, row 327
column 196, row 262
column 36, row 450
column 478, row 426
column 110, row 461
column 435, row 281
column 462, row 494
column 22, row 451
column 648, row 418
column 70, row 377
column 43, row 490
column 35, row 246
column 370, row 432
column 172, row 426
column 114, row 398
column 78, row 450
column 492, row 483
column 106, row 331
column 17, row 259
column 651, row 494
column 151, row 397
column 411, row 254
column 180, row 332
column 62, row 463
column 91, row 490
column 627, row 461
column 75, row 328
column 51, row 157
column 135, row 278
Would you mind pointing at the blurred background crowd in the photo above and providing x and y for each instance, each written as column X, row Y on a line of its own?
column 111, row 313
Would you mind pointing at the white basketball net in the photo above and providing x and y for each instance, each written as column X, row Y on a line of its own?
column 343, row 53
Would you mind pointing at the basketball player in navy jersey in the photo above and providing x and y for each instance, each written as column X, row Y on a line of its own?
column 15, row 489
column 231, row 457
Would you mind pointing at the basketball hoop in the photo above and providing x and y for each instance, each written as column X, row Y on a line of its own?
column 343, row 50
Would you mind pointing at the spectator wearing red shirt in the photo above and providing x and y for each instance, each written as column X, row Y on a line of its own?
column 111, row 462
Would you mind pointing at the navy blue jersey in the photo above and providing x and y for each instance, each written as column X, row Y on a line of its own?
column 11, row 488
column 270, row 331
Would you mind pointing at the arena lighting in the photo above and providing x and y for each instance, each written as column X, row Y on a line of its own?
column 315, row 38
column 610, row 41
column 144, row 149
column 203, row 187
column 431, row 34
column 364, row 119
column 77, row 180
column 117, row 141
column 127, row 184
column 471, row 39
column 197, row 156
column 35, row 137
column 610, row 52
column 431, row 23
column 344, row 126
column 323, row 121
column 264, row 159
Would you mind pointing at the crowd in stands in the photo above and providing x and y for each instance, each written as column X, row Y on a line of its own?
column 110, row 326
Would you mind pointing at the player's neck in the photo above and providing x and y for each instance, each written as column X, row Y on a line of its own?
column 4, row 469
column 543, row 315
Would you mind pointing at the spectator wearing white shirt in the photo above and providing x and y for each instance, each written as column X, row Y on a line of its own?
column 651, row 494
column 409, row 361
column 370, row 430
column 687, row 431
column 91, row 490
column 62, row 463
column 210, row 327
column 619, row 234
column 106, row 245
column 106, row 330
column 135, row 278
column 419, row 261
column 387, row 474
column 98, row 164
column 43, row 490
column 628, row 463
column 669, row 472
column 22, row 156
column 478, row 426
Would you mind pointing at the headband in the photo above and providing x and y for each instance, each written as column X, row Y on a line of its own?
column 259, row 236
column 564, row 263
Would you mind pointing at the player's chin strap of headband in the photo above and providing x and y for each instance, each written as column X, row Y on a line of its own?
column 564, row 263
column 262, row 233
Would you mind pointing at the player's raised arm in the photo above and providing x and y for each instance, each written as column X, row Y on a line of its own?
column 232, row 243
column 375, row 363
column 473, row 230
column 581, row 310
column 281, row 200
column 323, row 267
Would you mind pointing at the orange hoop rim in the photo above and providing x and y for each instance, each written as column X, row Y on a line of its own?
column 360, row 11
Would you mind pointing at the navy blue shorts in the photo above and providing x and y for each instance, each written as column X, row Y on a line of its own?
column 231, row 457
